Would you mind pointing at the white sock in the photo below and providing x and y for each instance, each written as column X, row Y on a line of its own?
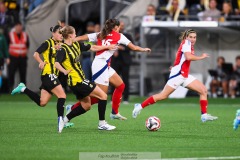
column 101, row 122
column 22, row 90
column 65, row 119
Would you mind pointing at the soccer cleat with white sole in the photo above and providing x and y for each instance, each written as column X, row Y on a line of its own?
column 18, row 89
column 236, row 121
column 137, row 109
column 106, row 127
column 117, row 116
column 68, row 109
column 60, row 124
column 207, row 117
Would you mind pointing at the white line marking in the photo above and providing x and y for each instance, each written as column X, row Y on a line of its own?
column 203, row 158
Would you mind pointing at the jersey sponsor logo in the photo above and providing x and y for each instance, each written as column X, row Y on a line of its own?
column 52, row 48
column 90, row 85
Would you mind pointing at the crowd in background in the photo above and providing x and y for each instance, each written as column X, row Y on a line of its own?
column 225, row 78
column 170, row 10
column 207, row 10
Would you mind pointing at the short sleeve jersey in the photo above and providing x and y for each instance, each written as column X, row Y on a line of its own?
column 112, row 38
column 69, row 57
column 49, row 56
column 181, row 65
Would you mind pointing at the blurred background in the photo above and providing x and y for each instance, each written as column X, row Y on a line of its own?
column 156, row 24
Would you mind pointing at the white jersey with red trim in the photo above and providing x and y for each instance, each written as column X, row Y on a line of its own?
column 181, row 65
column 112, row 38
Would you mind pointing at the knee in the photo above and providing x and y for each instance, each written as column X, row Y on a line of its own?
column 62, row 95
column 87, row 107
column 104, row 96
column 203, row 91
column 43, row 104
column 121, row 87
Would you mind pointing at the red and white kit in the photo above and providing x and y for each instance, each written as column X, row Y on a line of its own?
column 179, row 75
column 101, row 69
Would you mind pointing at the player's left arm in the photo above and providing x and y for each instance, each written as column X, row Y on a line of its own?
column 95, row 48
column 125, row 41
column 61, row 55
column 191, row 57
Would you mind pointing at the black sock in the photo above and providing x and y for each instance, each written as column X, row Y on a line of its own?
column 60, row 108
column 102, row 104
column 34, row 96
column 76, row 112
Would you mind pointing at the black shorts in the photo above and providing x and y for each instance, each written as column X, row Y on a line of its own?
column 83, row 89
column 49, row 81
column 1, row 63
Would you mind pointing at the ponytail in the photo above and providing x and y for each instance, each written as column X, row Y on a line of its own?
column 108, row 27
column 65, row 31
column 185, row 34
column 55, row 28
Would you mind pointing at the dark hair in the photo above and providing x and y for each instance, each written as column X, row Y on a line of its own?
column 17, row 23
column 108, row 27
column 65, row 31
column 186, row 33
column 222, row 58
column 55, row 28
column 238, row 57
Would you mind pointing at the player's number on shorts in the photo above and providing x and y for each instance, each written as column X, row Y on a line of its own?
column 52, row 77
column 86, row 82
column 106, row 42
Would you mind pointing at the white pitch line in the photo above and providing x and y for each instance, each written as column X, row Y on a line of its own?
column 202, row 158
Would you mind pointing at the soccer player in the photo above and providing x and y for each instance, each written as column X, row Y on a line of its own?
column 103, row 73
column 67, row 62
column 180, row 76
column 50, row 83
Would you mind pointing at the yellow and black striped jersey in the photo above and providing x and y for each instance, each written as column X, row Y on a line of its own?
column 69, row 56
column 49, row 56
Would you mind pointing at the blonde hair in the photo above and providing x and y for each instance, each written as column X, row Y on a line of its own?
column 66, row 31
column 185, row 34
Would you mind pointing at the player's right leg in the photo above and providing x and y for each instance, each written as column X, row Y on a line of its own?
column 59, row 92
column 83, row 107
column 198, row 86
column 102, row 104
column 152, row 99
column 171, row 86
column 119, row 86
column 44, row 97
column 21, row 88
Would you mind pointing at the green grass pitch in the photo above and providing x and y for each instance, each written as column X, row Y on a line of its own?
column 30, row 132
